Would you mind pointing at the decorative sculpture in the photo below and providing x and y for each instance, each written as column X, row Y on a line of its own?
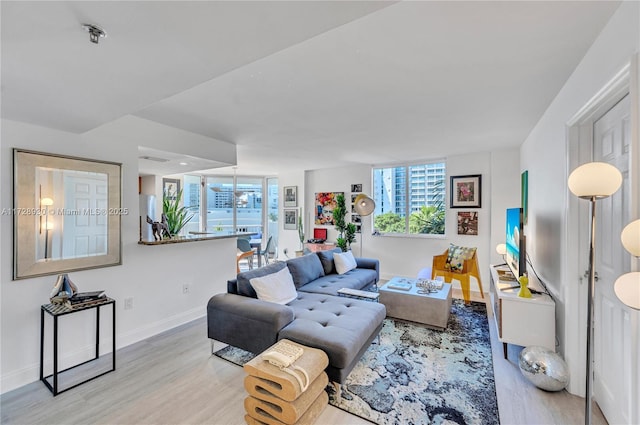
column 544, row 368
column 63, row 289
column 158, row 226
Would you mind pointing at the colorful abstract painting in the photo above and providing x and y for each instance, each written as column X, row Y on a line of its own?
column 325, row 204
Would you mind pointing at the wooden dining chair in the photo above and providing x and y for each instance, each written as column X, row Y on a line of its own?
column 244, row 252
column 464, row 266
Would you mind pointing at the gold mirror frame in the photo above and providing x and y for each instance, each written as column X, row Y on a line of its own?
column 28, row 214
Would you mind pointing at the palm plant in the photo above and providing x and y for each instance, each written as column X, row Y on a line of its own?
column 177, row 216
column 300, row 229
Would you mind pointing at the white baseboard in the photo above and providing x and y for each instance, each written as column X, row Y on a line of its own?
column 31, row 373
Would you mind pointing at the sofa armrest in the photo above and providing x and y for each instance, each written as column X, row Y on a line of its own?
column 245, row 322
column 232, row 286
column 369, row 263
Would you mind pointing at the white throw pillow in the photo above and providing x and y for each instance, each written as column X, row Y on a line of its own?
column 344, row 262
column 276, row 287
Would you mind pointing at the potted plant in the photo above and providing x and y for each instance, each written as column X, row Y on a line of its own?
column 300, row 252
column 346, row 231
column 177, row 216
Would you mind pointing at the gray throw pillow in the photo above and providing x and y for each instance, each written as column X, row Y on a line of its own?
column 244, row 278
column 326, row 258
column 305, row 269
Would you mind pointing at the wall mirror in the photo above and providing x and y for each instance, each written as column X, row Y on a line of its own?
column 66, row 213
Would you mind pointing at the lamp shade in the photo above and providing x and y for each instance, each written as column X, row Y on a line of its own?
column 46, row 201
column 627, row 289
column 630, row 238
column 595, row 179
column 364, row 205
column 501, row 249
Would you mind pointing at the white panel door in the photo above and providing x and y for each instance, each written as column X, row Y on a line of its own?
column 85, row 231
column 613, row 337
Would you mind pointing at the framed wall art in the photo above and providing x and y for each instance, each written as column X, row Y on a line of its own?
column 466, row 191
column 290, row 196
column 170, row 188
column 290, row 219
column 468, row 223
column 325, row 204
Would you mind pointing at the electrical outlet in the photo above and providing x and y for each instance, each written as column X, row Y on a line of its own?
column 185, row 288
column 128, row 303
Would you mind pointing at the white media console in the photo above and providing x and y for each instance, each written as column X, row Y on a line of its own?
column 522, row 321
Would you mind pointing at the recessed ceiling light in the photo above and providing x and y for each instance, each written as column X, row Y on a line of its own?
column 184, row 163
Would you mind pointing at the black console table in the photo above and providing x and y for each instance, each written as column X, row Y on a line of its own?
column 57, row 310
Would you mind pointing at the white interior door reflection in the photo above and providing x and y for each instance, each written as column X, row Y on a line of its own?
column 75, row 207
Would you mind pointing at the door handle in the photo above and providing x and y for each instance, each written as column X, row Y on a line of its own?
column 586, row 275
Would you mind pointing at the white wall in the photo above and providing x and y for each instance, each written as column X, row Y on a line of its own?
column 544, row 154
column 288, row 239
column 152, row 275
column 406, row 256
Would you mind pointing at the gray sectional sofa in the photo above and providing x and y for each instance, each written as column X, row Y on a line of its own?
column 342, row 327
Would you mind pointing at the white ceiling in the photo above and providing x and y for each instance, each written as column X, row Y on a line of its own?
column 301, row 84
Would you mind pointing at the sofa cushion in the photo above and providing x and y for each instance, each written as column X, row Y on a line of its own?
column 338, row 326
column 275, row 287
column 330, row 284
column 344, row 262
column 326, row 258
column 305, row 269
column 244, row 278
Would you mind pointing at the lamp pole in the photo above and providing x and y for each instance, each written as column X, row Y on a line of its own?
column 588, row 414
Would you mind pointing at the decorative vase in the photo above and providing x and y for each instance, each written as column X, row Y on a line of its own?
column 524, row 290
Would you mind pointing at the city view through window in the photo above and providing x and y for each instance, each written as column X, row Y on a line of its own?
column 410, row 199
column 224, row 205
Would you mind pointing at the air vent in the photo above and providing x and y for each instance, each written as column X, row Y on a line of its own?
column 153, row 158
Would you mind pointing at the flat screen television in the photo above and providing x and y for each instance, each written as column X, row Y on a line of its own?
column 516, row 242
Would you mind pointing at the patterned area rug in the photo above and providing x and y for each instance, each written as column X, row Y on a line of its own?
column 416, row 375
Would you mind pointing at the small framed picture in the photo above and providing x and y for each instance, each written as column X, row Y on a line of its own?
column 290, row 219
column 355, row 218
column 468, row 223
column 290, row 196
column 466, row 191
column 356, row 188
column 170, row 188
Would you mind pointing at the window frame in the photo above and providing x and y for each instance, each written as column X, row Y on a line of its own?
column 407, row 198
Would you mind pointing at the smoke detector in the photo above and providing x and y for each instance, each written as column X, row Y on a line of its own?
column 95, row 32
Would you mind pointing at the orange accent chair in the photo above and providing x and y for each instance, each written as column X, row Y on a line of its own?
column 469, row 268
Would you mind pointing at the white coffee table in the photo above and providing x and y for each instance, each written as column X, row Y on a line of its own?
column 430, row 309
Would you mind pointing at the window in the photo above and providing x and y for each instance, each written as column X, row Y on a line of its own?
column 410, row 199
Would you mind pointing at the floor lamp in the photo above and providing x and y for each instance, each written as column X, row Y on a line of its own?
column 593, row 181
column 364, row 206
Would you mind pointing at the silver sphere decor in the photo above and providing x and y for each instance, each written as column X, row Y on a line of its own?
column 544, row 368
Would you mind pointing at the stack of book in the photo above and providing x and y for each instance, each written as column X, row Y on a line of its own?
column 84, row 299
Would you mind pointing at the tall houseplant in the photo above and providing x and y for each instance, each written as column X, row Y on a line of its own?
column 300, row 252
column 346, row 231
column 177, row 216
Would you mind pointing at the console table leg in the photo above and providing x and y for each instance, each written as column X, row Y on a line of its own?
column 55, row 355
column 41, row 344
column 113, row 348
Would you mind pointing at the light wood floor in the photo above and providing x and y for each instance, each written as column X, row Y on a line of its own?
column 171, row 378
